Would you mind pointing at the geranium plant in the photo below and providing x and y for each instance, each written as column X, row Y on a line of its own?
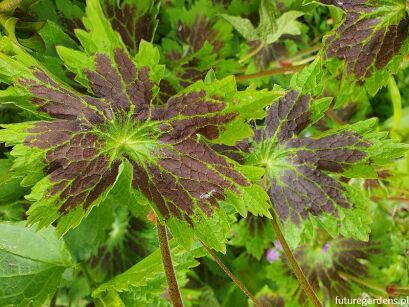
column 200, row 127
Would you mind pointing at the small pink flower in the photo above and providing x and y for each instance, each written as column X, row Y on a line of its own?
column 272, row 255
column 278, row 245
column 325, row 248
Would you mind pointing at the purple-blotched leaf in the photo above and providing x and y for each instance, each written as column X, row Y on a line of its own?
column 197, row 43
column 372, row 33
column 133, row 20
column 341, row 256
column 298, row 167
column 92, row 135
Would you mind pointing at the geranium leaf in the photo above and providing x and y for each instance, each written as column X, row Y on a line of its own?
column 370, row 36
column 133, row 21
column 299, row 168
column 86, row 138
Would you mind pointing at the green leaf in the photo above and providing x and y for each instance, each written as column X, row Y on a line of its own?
column 243, row 26
column 270, row 29
column 84, row 241
column 145, row 282
column 286, row 24
column 32, row 264
column 255, row 233
column 10, row 189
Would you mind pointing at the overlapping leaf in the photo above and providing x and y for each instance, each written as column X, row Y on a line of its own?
column 372, row 33
column 298, row 168
column 87, row 139
column 199, row 41
column 134, row 21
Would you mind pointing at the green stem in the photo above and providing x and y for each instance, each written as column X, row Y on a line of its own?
column 252, row 53
column 363, row 283
column 173, row 286
column 396, row 98
column 238, row 283
column 293, row 262
column 271, row 72
column 53, row 301
column 402, row 291
column 88, row 276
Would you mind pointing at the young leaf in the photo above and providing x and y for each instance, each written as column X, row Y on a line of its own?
column 32, row 264
column 269, row 29
column 255, row 233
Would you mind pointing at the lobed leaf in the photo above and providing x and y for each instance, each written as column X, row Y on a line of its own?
column 300, row 170
column 88, row 138
column 370, row 36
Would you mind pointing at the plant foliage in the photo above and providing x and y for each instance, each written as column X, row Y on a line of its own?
column 209, row 117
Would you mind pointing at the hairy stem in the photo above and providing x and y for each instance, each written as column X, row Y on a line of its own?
column 293, row 262
column 173, row 286
column 238, row 283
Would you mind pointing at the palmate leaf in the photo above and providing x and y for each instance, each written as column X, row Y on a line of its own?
column 255, row 233
column 269, row 29
column 325, row 266
column 301, row 172
column 87, row 139
column 134, row 21
column 370, row 37
column 199, row 40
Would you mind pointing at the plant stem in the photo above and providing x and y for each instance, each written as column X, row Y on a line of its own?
column 231, row 275
column 53, row 301
column 293, row 262
column 88, row 275
column 173, row 286
column 334, row 116
column 271, row 72
column 363, row 283
column 252, row 53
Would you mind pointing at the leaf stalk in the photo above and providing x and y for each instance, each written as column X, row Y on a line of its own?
column 173, row 286
column 238, row 283
column 293, row 262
